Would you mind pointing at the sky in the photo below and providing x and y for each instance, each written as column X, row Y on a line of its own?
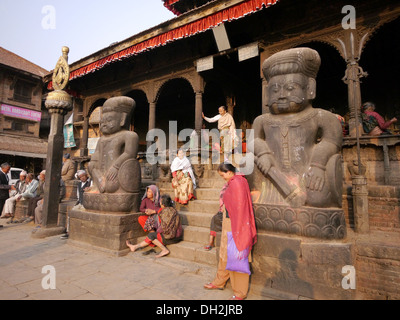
column 37, row 29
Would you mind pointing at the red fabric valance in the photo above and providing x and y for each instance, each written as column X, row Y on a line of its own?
column 188, row 30
column 169, row 5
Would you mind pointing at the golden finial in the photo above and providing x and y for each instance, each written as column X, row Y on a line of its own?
column 61, row 71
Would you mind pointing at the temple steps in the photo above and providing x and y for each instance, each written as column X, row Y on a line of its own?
column 196, row 218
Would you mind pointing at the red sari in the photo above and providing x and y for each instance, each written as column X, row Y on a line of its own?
column 237, row 200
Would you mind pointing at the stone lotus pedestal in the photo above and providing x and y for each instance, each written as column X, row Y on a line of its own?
column 322, row 223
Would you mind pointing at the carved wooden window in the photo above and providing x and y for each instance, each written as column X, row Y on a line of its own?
column 23, row 91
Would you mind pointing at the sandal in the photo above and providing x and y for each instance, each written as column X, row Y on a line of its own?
column 211, row 286
column 208, row 248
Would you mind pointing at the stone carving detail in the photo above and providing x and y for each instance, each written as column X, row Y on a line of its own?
column 306, row 221
column 297, row 151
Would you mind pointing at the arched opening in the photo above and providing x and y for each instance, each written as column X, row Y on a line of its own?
column 380, row 60
column 331, row 90
column 140, row 117
column 176, row 102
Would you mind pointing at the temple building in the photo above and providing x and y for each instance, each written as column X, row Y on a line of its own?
column 211, row 54
column 24, row 126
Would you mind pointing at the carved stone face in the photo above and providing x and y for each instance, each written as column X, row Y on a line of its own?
column 110, row 123
column 289, row 93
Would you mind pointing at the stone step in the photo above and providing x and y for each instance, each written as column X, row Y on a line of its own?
column 196, row 219
column 211, row 174
column 200, row 235
column 208, row 206
column 207, row 193
column 215, row 183
column 211, row 183
column 191, row 251
column 194, row 252
column 199, row 193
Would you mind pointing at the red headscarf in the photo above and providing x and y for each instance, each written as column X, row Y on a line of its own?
column 238, row 203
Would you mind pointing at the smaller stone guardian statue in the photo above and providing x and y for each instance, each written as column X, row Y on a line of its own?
column 114, row 167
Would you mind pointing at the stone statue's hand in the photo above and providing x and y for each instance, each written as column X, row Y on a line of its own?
column 264, row 163
column 315, row 179
column 112, row 174
column 101, row 185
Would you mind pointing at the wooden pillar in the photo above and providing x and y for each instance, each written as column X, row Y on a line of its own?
column 152, row 115
column 85, row 136
column 152, row 119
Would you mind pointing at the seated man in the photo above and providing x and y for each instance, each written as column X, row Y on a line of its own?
column 39, row 207
column 20, row 186
column 85, row 185
column 39, row 194
column 68, row 168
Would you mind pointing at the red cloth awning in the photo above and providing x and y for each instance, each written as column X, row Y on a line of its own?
column 233, row 13
column 169, row 5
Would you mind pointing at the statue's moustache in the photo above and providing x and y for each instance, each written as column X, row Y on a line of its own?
column 296, row 100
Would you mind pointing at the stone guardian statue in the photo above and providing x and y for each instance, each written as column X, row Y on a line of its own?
column 114, row 167
column 297, row 151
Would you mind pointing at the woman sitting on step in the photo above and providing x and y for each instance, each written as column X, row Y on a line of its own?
column 150, row 206
column 183, row 180
column 168, row 226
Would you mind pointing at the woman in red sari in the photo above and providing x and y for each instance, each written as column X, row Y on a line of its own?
column 238, row 218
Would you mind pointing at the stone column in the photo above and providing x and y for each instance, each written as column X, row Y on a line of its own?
column 360, row 204
column 59, row 103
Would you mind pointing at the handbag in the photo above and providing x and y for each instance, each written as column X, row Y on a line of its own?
column 238, row 261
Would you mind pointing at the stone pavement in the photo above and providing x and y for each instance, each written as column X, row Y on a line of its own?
column 87, row 274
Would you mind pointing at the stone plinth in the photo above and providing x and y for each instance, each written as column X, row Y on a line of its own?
column 21, row 209
column 104, row 231
column 323, row 223
column 71, row 187
column 301, row 268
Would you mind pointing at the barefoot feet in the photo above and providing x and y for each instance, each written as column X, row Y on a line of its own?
column 163, row 253
column 132, row 247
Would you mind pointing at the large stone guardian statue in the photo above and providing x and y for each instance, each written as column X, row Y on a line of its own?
column 297, row 182
column 114, row 167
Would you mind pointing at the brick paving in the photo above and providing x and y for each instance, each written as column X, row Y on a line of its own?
column 88, row 274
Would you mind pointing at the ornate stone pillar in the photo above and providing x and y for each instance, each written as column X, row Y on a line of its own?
column 360, row 204
column 59, row 103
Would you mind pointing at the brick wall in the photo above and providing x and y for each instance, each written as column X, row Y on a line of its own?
column 383, row 208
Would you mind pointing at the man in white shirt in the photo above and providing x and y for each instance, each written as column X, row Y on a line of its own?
column 226, row 127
